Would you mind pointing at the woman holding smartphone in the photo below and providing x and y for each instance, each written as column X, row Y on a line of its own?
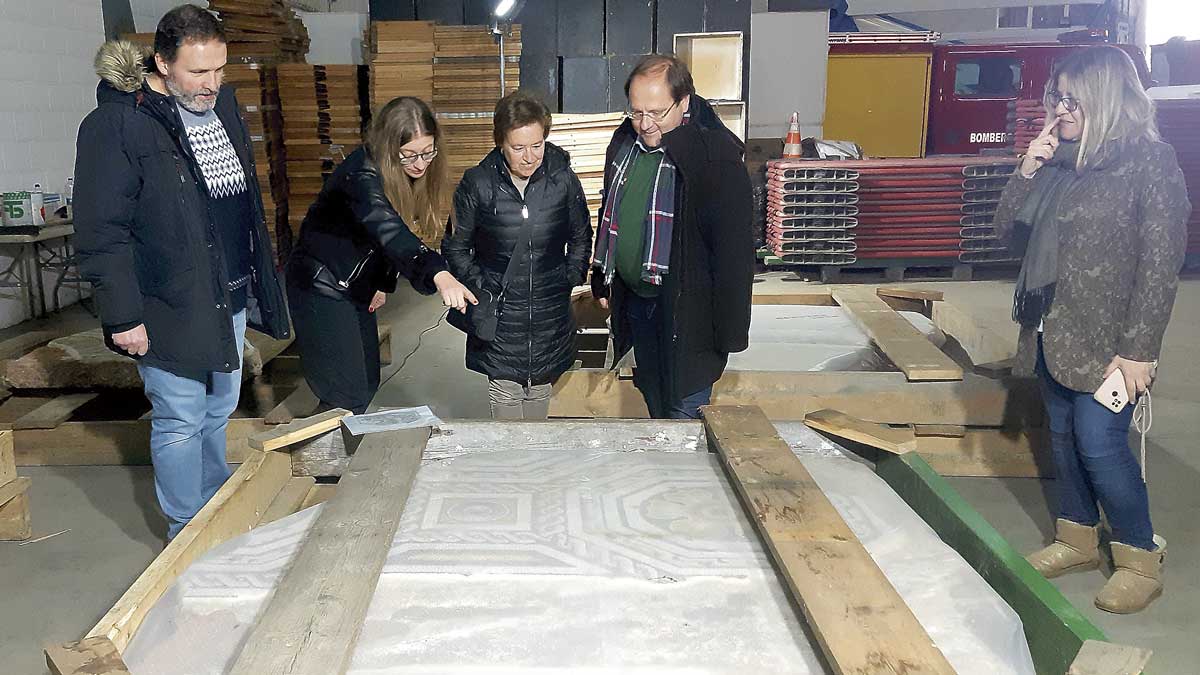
column 1099, row 206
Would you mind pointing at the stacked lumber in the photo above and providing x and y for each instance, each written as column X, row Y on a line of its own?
column 400, row 54
column 257, row 88
column 266, row 30
column 1179, row 124
column 14, row 502
column 466, row 87
column 322, row 123
column 586, row 138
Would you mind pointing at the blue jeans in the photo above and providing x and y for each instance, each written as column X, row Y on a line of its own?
column 1094, row 463
column 187, row 434
column 650, row 376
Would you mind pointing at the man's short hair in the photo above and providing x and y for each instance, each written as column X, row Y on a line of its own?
column 677, row 74
column 517, row 110
column 185, row 23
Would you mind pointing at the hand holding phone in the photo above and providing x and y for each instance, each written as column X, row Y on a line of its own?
column 1112, row 394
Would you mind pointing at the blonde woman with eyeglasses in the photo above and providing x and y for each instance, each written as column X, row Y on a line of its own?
column 1099, row 208
column 357, row 239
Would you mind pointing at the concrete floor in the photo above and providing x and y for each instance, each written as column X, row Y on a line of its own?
column 55, row 590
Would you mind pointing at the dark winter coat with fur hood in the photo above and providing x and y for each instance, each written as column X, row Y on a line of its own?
column 145, row 238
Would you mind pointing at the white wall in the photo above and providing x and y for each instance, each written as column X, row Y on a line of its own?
column 788, row 61
column 46, row 50
column 335, row 38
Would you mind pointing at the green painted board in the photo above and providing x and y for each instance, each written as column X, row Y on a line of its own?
column 1054, row 628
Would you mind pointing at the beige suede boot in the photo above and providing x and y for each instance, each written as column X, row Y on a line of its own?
column 1137, row 579
column 1076, row 548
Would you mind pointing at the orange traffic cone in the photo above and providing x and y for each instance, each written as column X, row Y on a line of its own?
column 791, row 143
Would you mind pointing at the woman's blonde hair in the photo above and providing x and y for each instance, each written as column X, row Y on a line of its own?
column 1115, row 105
column 423, row 202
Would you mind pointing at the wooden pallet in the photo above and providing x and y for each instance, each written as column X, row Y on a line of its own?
column 898, row 271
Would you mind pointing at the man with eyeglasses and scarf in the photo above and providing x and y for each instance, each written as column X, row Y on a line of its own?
column 674, row 258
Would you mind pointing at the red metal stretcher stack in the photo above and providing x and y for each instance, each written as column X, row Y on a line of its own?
column 892, row 211
column 1179, row 124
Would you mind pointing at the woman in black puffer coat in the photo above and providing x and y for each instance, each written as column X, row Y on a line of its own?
column 523, row 178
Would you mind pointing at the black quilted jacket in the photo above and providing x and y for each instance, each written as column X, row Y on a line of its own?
column 535, row 340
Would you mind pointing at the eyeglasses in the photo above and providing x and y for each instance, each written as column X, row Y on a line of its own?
column 656, row 116
column 406, row 160
column 1053, row 98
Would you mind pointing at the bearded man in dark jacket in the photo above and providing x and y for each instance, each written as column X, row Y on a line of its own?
column 674, row 256
column 170, row 233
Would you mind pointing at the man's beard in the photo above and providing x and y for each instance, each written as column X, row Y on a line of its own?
column 188, row 101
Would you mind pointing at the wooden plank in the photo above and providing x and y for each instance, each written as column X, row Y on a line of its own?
column 13, row 488
column 319, row 494
column 910, row 293
column 23, row 343
column 1054, row 628
column 15, row 524
column 123, row 442
column 945, row 430
column 298, row 430
column 289, row 500
column 982, row 344
column 1105, row 658
column 53, row 413
column 311, row 623
column 300, row 403
column 8, row 459
column 894, row 440
column 860, row 621
column 887, row 398
column 90, row 656
column 913, row 353
column 233, row 510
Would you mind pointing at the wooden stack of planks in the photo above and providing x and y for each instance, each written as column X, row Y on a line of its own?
column 14, row 503
column 586, row 138
column 258, row 99
column 466, row 86
column 262, row 30
column 322, row 123
column 400, row 54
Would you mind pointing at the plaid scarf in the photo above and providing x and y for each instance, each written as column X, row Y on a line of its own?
column 660, row 218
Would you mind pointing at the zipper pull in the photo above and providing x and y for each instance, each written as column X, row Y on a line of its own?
column 525, row 212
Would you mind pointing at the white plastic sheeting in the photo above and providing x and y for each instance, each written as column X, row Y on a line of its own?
column 807, row 338
column 517, row 561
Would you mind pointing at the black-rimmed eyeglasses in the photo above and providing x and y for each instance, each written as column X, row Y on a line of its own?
column 1053, row 98
column 428, row 156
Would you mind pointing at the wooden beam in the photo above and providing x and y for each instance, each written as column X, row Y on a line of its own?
column 298, row 430
column 112, row 442
column 8, row 459
column 980, row 452
column 913, row 353
column 861, row 623
column 289, row 500
column 53, row 413
column 300, row 403
column 982, row 344
column 15, row 524
column 90, row 656
column 878, row 397
column 921, row 294
column 894, row 440
column 233, row 510
column 319, row 494
column 312, row 621
column 1054, row 628
column 1106, row 658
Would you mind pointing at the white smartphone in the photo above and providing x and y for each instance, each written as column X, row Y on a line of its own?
column 1112, row 393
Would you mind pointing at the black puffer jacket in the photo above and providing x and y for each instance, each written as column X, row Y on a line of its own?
column 535, row 340
column 146, row 240
column 353, row 243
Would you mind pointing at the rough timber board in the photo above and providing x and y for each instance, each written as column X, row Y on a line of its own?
column 858, row 618
column 112, row 442
column 90, row 656
column 235, row 509
column 913, row 353
column 15, row 524
column 1054, row 628
column 54, row 412
column 887, row 398
column 298, row 430
column 1105, row 658
column 311, row 623
column 8, row 460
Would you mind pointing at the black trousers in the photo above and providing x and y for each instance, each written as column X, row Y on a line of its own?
column 338, row 341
